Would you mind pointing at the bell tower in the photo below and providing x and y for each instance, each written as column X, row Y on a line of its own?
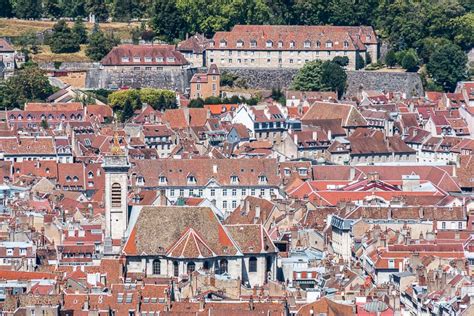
column 116, row 168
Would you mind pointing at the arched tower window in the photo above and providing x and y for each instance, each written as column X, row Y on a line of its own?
column 116, row 195
column 156, row 267
column 176, row 268
column 223, row 266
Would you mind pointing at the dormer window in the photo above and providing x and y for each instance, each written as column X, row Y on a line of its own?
column 262, row 179
column 369, row 37
column 307, row 44
column 211, row 44
column 328, row 44
column 75, row 179
column 292, row 44
column 280, row 44
column 191, row 179
column 346, row 44
column 148, row 59
column 159, row 59
column 90, row 175
column 318, row 44
column 163, row 180
column 140, row 180
column 269, row 44
column 136, row 59
column 303, row 171
column 170, row 59
column 234, row 179
column 253, row 43
column 68, row 179
column 287, row 171
column 125, row 59
column 223, row 43
column 240, row 43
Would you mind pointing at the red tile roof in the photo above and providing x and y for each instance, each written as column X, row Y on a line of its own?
column 160, row 55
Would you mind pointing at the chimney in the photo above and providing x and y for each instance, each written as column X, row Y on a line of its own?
column 315, row 135
column 329, row 134
column 214, row 168
column 257, row 212
column 351, row 173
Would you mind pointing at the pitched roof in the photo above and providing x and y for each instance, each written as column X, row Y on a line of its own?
column 161, row 55
column 347, row 113
column 161, row 230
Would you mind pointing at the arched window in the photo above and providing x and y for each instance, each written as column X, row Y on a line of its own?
column 253, row 264
column 156, row 266
column 191, row 267
column 206, row 265
column 116, row 195
column 176, row 268
column 223, row 266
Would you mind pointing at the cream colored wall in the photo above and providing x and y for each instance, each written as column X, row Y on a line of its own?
column 273, row 59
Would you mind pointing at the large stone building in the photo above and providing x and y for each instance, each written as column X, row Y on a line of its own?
column 275, row 46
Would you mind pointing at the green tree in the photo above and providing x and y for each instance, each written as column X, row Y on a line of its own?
column 118, row 99
column 166, row 20
column 98, row 9
column 6, row 10
column 135, row 33
column 360, row 62
column 342, row 61
column 410, row 60
column 212, row 100
column 464, row 30
column 100, row 44
column 159, row 99
column 333, row 77
column 309, row 77
column 127, row 111
column 74, row 8
column 391, row 58
column 80, row 31
column 28, row 9
column 27, row 84
column 63, row 40
column 196, row 103
column 447, row 66
column 427, row 46
column 122, row 10
column 311, row 12
column 44, row 124
column 52, row 9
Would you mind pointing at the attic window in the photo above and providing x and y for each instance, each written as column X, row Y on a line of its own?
column 90, row 175
column 346, row 44
column 125, row 59
column 68, row 179
column 170, row 59
column 140, row 180
column 269, row 44
column 240, row 43
column 223, row 43
column 253, row 43
column 292, row 44
column 163, row 180
column 303, row 171
column 136, row 59
column 159, row 59
column 211, row 44
column 234, row 179
column 75, row 179
column 318, row 44
column 191, row 179
column 287, row 171
column 148, row 59
column 280, row 44
column 47, row 170
column 307, row 44
column 369, row 37
column 262, row 179
column 328, row 44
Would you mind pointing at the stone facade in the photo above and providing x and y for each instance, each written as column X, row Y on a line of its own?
column 108, row 77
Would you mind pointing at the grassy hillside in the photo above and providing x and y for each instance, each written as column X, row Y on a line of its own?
column 15, row 27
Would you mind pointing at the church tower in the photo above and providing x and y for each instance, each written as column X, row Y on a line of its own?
column 116, row 168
